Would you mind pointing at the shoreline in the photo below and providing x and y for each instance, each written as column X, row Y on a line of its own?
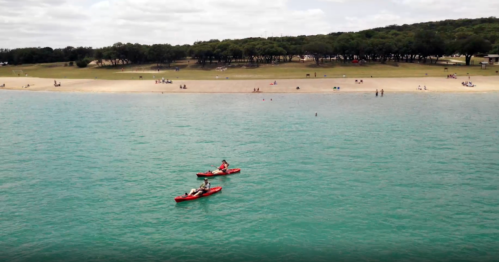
column 222, row 86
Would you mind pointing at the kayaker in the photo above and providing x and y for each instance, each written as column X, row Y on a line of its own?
column 222, row 169
column 203, row 188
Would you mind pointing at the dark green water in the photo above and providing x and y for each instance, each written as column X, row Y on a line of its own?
column 92, row 177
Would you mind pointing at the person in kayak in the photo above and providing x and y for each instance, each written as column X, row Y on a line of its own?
column 222, row 169
column 203, row 188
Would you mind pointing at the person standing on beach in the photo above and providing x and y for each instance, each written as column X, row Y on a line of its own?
column 376, row 92
column 382, row 92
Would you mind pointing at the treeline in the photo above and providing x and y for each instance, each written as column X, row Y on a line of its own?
column 423, row 42
column 119, row 53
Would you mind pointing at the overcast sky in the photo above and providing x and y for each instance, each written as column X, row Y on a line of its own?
column 97, row 23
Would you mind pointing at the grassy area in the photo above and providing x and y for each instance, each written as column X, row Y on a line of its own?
column 293, row 70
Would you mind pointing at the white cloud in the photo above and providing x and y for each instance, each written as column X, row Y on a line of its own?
column 62, row 22
column 190, row 20
column 489, row 7
column 383, row 18
column 97, row 23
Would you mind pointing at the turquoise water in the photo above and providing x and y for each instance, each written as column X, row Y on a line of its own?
column 92, row 177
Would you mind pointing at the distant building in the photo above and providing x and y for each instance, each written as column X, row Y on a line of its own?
column 491, row 59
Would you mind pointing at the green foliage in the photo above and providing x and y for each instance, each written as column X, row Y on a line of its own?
column 405, row 43
column 317, row 49
column 473, row 45
column 495, row 49
column 99, row 55
column 160, row 53
column 82, row 63
column 429, row 43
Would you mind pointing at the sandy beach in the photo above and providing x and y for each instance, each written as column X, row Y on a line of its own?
column 483, row 84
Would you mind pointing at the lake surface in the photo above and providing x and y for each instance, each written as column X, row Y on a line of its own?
column 92, row 177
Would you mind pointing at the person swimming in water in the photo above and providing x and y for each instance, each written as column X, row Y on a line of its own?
column 203, row 188
column 222, row 169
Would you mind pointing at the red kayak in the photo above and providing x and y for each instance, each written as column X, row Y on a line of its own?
column 189, row 198
column 230, row 172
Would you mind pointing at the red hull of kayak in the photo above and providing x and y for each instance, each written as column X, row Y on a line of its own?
column 209, row 174
column 211, row 192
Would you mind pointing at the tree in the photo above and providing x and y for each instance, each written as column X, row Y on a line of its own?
column 4, row 55
column 202, row 52
column 269, row 50
column 383, row 48
column 250, row 51
column 179, row 52
column 69, row 55
column 343, row 46
column 81, row 52
column 82, row 63
column 99, row 55
column 235, row 51
column 134, row 53
column 111, row 55
column 495, row 49
column 398, row 43
column 317, row 49
column 161, row 53
column 429, row 43
column 472, row 46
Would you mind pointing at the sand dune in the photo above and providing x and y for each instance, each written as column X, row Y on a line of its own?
column 484, row 84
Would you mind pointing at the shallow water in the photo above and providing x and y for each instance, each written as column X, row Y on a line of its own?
column 92, row 177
